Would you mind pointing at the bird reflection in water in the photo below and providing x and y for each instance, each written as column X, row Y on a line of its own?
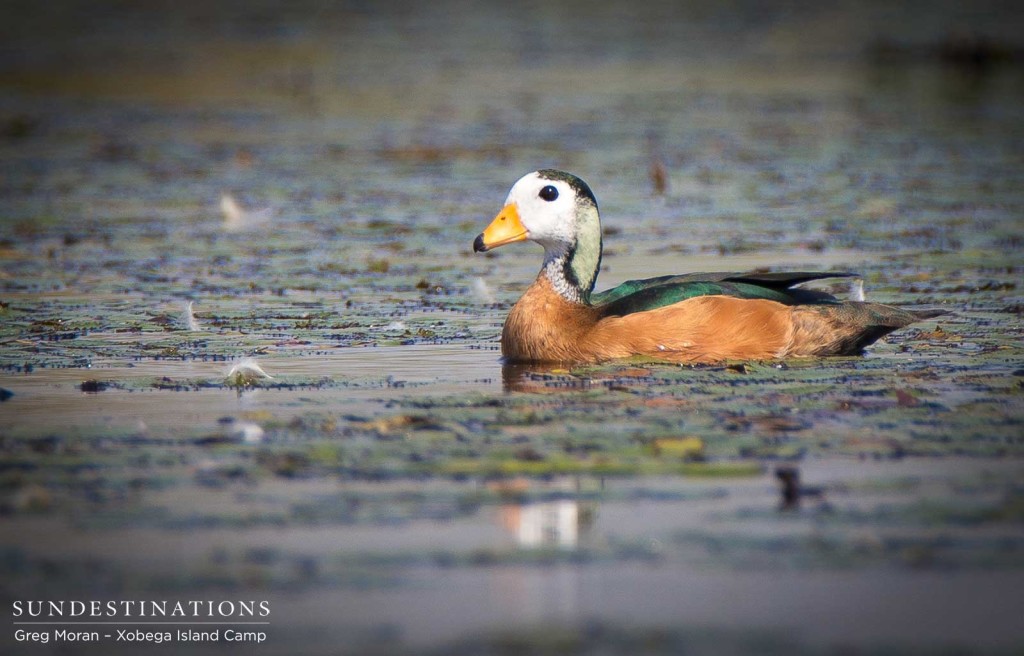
column 553, row 378
column 558, row 523
column 541, row 378
column 545, row 524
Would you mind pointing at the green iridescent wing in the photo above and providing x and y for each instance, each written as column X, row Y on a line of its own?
column 641, row 295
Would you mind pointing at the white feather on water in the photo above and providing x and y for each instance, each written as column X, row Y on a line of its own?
column 857, row 290
column 245, row 431
column 238, row 218
column 189, row 319
column 482, row 291
column 245, row 372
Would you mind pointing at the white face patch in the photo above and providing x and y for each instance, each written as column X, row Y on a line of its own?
column 551, row 223
column 559, row 212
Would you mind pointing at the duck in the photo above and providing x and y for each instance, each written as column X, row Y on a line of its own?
column 697, row 318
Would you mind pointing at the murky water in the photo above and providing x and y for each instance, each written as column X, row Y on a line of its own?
column 311, row 179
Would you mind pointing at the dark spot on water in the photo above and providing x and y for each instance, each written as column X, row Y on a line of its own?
column 792, row 490
column 48, row 445
column 93, row 386
column 19, row 127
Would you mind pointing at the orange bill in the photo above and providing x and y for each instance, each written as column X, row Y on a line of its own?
column 504, row 229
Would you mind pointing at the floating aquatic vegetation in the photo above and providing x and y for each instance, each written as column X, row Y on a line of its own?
column 390, row 420
column 679, row 447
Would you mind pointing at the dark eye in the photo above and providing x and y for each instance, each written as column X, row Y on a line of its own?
column 549, row 193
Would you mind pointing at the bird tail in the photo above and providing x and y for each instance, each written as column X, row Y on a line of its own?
column 847, row 328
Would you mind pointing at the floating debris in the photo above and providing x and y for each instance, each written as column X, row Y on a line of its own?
column 93, row 386
column 680, row 447
column 243, row 431
column 237, row 218
column 857, row 290
column 245, row 373
column 386, row 425
column 659, row 177
column 482, row 292
column 792, row 491
column 233, row 431
column 189, row 319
